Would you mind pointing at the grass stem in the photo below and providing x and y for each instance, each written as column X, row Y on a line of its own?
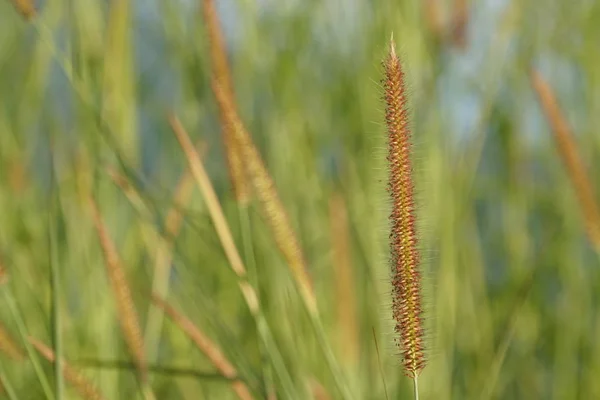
column 416, row 387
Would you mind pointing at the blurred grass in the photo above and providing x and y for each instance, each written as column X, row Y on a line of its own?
column 512, row 282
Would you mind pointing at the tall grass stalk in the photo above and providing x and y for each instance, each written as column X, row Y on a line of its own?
column 271, row 206
column 54, row 213
column 221, row 72
column 235, row 261
column 282, row 232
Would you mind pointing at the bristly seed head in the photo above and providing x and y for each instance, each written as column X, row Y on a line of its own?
column 406, row 280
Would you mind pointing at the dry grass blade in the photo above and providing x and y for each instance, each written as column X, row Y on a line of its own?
column 406, row 301
column 127, row 314
column 565, row 144
column 25, row 7
column 9, row 347
column 83, row 386
column 212, row 202
column 216, row 213
column 206, row 346
column 221, row 73
column 344, row 280
column 272, row 207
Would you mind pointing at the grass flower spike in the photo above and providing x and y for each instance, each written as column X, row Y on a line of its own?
column 127, row 313
column 406, row 303
column 222, row 74
column 567, row 148
column 25, row 7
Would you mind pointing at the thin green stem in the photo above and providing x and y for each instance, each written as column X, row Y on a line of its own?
column 252, row 273
column 330, row 359
column 416, row 387
column 287, row 384
column 10, row 391
column 152, row 368
column 9, row 299
column 55, row 287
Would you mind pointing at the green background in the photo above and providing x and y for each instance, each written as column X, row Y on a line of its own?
column 510, row 282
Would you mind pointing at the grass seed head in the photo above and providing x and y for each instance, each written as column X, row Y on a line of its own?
column 221, row 73
column 127, row 313
column 567, row 148
column 9, row 347
column 26, row 8
column 406, row 280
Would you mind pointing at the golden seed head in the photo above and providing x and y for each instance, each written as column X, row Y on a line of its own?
column 406, row 281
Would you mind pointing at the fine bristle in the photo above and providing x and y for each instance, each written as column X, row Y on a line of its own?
column 405, row 259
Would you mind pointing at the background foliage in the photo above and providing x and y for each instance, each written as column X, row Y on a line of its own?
column 511, row 282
